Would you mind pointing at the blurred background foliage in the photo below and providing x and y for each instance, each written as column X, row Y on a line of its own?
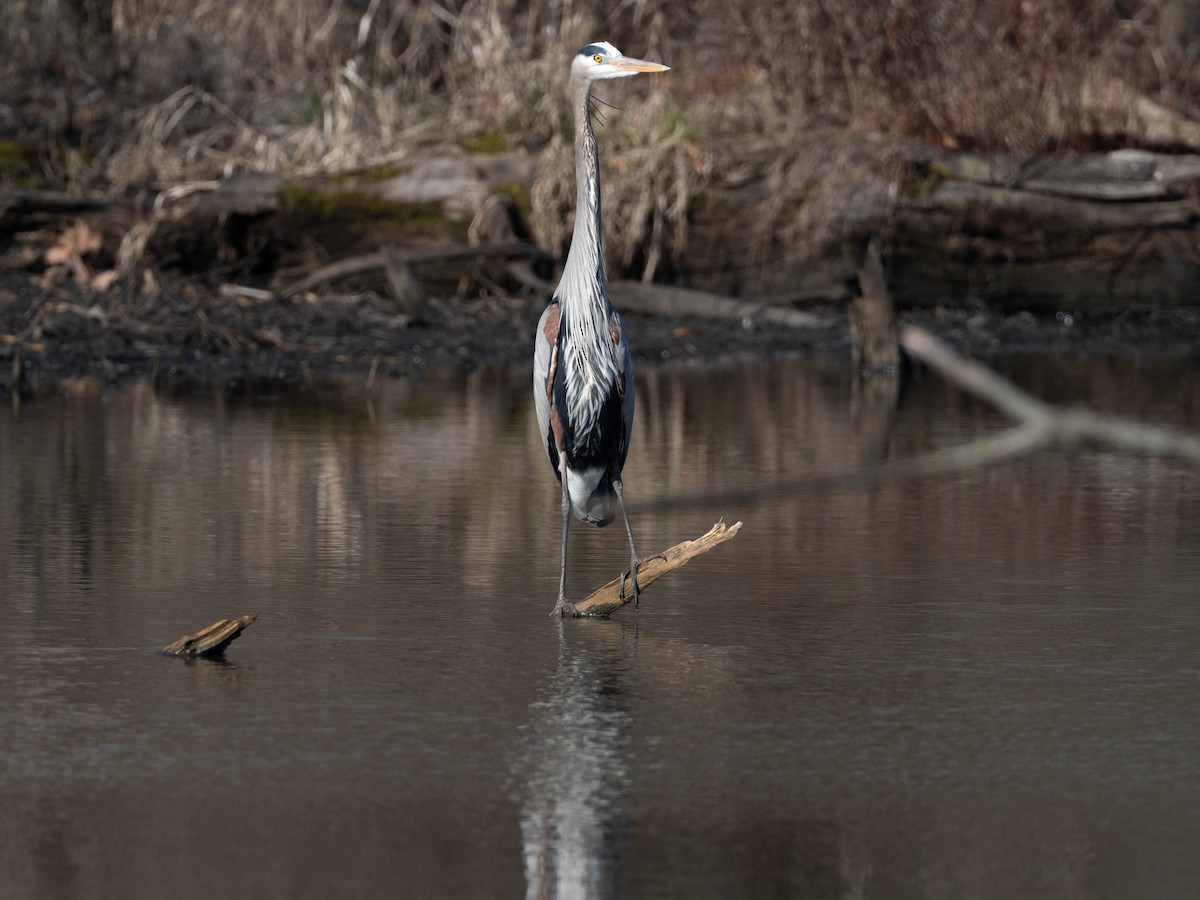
column 115, row 95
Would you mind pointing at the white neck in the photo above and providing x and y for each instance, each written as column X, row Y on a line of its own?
column 583, row 279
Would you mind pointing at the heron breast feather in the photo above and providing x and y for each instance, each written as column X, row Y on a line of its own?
column 590, row 378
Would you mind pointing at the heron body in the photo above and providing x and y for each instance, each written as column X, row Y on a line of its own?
column 582, row 369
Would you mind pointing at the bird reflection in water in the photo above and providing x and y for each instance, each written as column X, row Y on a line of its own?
column 575, row 823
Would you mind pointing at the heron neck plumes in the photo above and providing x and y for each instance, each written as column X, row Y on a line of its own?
column 584, row 269
column 589, row 359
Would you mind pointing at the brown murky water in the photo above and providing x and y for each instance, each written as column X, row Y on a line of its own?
column 983, row 685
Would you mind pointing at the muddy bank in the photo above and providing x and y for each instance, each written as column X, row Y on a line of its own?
column 188, row 332
column 432, row 264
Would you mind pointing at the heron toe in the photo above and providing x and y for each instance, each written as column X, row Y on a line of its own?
column 565, row 607
column 631, row 573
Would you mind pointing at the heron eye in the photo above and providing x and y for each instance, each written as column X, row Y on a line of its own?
column 599, row 57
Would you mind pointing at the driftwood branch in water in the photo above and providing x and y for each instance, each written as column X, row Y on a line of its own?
column 607, row 599
column 211, row 641
column 1040, row 424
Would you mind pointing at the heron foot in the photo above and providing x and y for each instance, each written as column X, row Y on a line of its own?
column 631, row 574
column 564, row 608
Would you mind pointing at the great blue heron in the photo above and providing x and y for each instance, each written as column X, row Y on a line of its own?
column 582, row 369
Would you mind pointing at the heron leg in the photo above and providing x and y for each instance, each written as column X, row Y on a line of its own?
column 635, row 561
column 564, row 607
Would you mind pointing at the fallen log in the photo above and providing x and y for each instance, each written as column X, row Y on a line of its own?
column 1120, row 175
column 210, row 642
column 1096, row 231
column 671, row 300
column 28, row 202
column 981, row 207
column 663, row 300
column 606, row 600
column 370, row 263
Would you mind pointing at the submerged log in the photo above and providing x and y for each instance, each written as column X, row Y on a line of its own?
column 608, row 599
column 212, row 641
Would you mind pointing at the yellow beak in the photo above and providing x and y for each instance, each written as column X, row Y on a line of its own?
column 629, row 64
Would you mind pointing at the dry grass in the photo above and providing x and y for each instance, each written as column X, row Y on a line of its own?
column 651, row 169
column 119, row 93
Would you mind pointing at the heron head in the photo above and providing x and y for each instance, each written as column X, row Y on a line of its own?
column 602, row 60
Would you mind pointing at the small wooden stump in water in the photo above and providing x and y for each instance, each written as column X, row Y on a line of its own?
column 211, row 641
column 609, row 599
column 873, row 321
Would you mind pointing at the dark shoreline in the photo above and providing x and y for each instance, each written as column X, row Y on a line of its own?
column 285, row 342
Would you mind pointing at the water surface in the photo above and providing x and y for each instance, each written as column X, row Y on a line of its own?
column 985, row 684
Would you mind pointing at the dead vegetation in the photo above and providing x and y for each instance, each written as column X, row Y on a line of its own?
column 116, row 93
column 783, row 132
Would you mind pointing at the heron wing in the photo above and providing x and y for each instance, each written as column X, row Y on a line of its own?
column 624, row 383
column 545, row 362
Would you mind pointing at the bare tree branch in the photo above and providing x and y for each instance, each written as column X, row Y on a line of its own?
column 971, row 376
column 1041, row 424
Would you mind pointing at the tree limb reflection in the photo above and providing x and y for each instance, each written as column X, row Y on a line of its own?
column 1037, row 426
